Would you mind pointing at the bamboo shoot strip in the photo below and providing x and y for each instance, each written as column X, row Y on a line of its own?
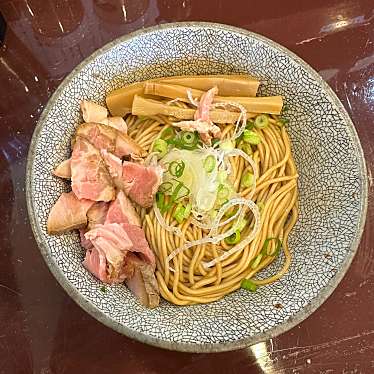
column 147, row 107
column 269, row 104
column 119, row 102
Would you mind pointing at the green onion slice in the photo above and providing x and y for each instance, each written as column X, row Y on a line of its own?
column 247, row 180
column 265, row 251
column 262, row 121
column 233, row 238
column 161, row 147
column 248, row 285
column 209, row 163
column 176, row 168
column 251, row 137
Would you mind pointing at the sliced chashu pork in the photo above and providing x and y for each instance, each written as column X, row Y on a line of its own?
column 89, row 176
column 113, row 241
column 110, row 139
column 95, row 215
column 63, row 170
column 122, row 211
column 68, row 213
column 142, row 283
column 110, row 247
column 96, row 113
column 139, row 182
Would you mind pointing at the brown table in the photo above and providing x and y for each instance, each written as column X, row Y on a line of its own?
column 41, row 329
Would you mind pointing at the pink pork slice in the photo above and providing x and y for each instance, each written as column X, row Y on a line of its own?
column 63, row 170
column 95, row 215
column 110, row 139
column 122, row 211
column 143, row 283
column 89, row 177
column 68, row 213
column 111, row 245
column 140, row 182
column 140, row 244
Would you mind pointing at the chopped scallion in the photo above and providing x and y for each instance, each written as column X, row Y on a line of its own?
column 179, row 213
column 247, row 180
column 251, row 137
column 256, row 261
column 248, row 285
column 262, row 121
column 209, row 163
column 160, row 200
column 233, row 238
column 265, row 251
column 161, row 147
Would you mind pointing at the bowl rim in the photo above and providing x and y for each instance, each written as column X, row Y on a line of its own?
column 99, row 315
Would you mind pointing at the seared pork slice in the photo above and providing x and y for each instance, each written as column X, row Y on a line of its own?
column 140, row 244
column 97, row 214
column 89, row 177
column 111, row 245
column 143, row 283
column 93, row 112
column 63, row 170
column 85, row 243
column 109, row 138
column 122, row 211
column 95, row 262
column 141, row 182
column 114, row 165
column 68, row 213
column 116, row 122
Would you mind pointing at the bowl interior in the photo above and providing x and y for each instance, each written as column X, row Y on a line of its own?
column 331, row 184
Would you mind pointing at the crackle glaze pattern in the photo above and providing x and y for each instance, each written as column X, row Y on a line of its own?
column 328, row 156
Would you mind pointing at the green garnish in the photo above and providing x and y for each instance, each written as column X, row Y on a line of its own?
column 285, row 108
column 215, row 142
column 265, row 251
column 187, row 210
column 246, row 147
column 256, row 261
column 247, row 180
column 209, row 163
column 179, row 213
column 166, row 187
column 248, row 285
column 103, row 289
column 176, row 168
column 261, row 121
column 233, row 238
column 250, row 124
column 223, row 192
column 167, row 133
column 161, row 147
column 160, row 200
column 230, row 212
column 180, row 186
column 283, row 121
column 189, row 138
column 251, row 137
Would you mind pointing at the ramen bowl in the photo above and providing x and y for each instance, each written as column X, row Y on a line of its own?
column 327, row 152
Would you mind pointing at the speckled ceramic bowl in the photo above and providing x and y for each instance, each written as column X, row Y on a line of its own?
column 333, row 189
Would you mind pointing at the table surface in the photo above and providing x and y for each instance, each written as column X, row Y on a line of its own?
column 41, row 329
